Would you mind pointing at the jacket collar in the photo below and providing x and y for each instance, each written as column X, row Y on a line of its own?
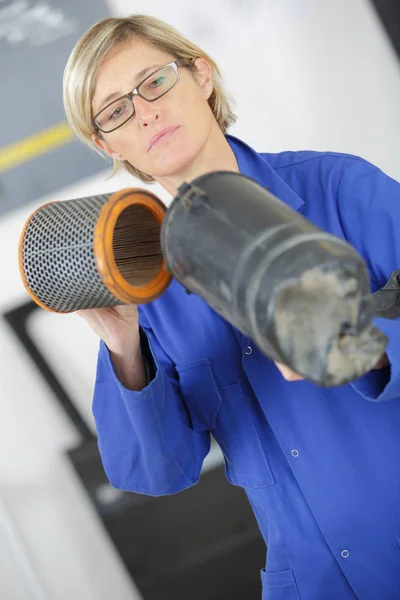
column 255, row 166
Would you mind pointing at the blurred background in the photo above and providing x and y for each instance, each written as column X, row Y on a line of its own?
column 305, row 75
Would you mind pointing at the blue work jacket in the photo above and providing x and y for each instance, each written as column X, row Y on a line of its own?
column 321, row 467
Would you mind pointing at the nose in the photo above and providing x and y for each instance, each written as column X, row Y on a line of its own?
column 146, row 112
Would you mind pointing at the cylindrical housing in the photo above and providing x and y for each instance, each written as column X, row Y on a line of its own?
column 300, row 293
column 94, row 252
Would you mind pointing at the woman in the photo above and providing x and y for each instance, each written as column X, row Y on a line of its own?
column 319, row 466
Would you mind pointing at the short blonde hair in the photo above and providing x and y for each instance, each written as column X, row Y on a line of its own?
column 83, row 65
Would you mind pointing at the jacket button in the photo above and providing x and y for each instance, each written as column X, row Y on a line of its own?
column 249, row 350
column 295, row 453
column 345, row 554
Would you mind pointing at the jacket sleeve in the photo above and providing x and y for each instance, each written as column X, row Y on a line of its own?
column 369, row 209
column 145, row 438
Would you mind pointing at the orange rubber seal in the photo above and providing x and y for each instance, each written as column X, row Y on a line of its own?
column 103, row 247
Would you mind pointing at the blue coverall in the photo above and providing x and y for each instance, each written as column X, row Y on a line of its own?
column 320, row 466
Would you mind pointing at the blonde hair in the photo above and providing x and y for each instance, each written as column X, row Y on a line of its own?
column 82, row 67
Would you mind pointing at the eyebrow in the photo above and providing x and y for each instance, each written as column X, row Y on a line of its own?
column 138, row 78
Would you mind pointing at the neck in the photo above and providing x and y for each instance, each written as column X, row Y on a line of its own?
column 215, row 155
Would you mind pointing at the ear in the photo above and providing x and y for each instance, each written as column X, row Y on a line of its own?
column 204, row 76
column 102, row 144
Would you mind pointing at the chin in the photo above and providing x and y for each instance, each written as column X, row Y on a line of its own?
column 174, row 162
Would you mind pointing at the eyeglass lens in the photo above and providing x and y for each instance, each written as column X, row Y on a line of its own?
column 121, row 110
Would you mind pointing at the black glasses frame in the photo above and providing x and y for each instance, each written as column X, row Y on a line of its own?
column 182, row 62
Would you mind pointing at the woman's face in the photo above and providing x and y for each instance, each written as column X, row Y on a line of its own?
column 184, row 107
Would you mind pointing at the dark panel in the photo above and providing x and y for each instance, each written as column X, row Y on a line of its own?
column 389, row 12
column 36, row 39
column 201, row 543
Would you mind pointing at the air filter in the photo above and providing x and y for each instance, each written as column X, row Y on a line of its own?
column 94, row 252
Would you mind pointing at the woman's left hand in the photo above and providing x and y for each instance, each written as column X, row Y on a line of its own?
column 290, row 375
column 287, row 373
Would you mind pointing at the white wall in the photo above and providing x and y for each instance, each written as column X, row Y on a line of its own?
column 306, row 74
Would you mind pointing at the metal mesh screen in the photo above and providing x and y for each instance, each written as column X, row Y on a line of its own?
column 58, row 257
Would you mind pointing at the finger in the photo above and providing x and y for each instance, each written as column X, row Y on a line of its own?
column 382, row 363
column 288, row 373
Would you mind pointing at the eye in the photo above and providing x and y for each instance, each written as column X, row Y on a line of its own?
column 117, row 113
column 156, row 82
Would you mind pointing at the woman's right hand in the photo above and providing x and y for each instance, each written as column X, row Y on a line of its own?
column 117, row 326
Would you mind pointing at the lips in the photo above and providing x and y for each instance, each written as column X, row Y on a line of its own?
column 161, row 134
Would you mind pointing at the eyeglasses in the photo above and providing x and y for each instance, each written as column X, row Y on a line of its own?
column 118, row 112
